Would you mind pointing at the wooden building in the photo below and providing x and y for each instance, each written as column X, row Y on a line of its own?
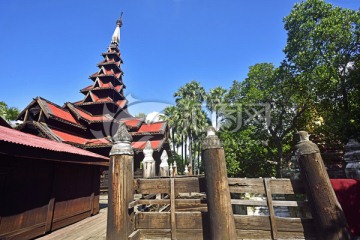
column 45, row 185
column 90, row 122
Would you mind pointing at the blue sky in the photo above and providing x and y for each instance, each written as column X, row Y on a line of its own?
column 49, row 48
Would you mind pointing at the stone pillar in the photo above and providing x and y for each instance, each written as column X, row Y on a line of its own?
column 352, row 159
column 164, row 165
column 222, row 224
column 121, row 186
column 329, row 219
column 148, row 162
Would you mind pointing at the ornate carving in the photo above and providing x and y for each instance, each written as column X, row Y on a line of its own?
column 121, row 135
column 122, row 142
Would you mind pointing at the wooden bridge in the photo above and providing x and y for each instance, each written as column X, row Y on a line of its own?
column 185, row 216
column 215, row 207
column 154, row 218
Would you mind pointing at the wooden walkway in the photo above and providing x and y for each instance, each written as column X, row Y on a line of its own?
column 93, row 228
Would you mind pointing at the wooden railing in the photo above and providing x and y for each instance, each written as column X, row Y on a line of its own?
column 181, row 212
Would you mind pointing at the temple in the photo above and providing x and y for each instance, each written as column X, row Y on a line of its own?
column 90, row 122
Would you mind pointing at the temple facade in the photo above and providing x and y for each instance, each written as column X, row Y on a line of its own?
column 91, row 122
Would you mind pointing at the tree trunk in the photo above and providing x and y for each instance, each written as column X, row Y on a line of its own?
column 173, row 139
column 279, row 158
column 182, row 148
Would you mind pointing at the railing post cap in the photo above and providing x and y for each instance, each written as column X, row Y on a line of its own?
column 305, row 146
column 121, row 142
column 211, row 141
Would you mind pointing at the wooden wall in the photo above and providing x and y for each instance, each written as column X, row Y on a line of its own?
column 38, row 196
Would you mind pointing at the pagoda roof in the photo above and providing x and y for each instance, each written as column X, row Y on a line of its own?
column 112, row 50
column 108, row 73
column 53, row 111
column 156, row 145
column 96, row 100
column 62, row 136
column 86, row 89
column 151, row 128
column 103, row 86
column 132, row 123
column 81, row 113
column 109, row 62
column 71, row 138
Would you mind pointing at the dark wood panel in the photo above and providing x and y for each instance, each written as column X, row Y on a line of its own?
column 162, row 185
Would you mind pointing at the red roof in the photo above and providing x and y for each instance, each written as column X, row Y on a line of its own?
column 140, row 145
column 118, row 87
column 17, row 137
column 90, row 117
column 106, row 85
column 86, row 88
column 152, row 127
column 61, row 113
column 133, row 122
column 121, row 103
column 67, row 137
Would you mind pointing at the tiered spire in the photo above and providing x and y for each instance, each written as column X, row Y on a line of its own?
column 91, row 122
column 116, row 36
column 107, row 89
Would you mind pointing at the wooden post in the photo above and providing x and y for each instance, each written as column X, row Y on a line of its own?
column 327, row 213
column 121, row 175
column 222, row 222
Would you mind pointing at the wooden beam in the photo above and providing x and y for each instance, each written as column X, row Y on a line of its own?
column 271, row 208
column 162, row 185
column 135, row 235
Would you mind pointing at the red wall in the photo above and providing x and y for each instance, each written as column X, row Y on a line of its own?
column 348, row 194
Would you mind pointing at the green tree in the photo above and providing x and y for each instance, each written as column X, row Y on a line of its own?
column 272, row 107
column 245, row 154
column 141, row 115
column 214, row 102
column 323, row 47
column 188, row 120
column 9, row 113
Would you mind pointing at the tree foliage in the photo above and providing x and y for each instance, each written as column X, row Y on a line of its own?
column 9, row 113
column 323, row 47
column 315, row 88
column 188, row 122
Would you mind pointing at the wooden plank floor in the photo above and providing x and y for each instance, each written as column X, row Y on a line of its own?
column 93, row 228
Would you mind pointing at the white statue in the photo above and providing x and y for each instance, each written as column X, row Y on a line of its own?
column 164, row 165
column 148, row 162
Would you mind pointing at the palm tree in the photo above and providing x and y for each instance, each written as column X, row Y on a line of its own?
column 188, row 120
column 214, row 99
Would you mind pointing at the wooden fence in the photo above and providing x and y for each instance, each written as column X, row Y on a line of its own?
column 181, row 212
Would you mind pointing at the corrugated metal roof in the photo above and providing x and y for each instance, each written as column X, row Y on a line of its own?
column 17, row 137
